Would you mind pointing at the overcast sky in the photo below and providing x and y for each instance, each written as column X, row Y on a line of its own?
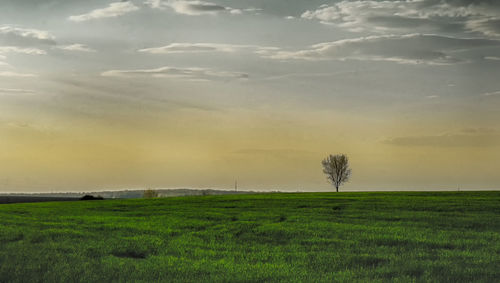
column 162, row 93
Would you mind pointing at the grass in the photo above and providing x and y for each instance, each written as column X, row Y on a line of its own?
column 300, row 237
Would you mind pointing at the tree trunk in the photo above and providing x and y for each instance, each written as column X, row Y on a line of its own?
column 337, row 187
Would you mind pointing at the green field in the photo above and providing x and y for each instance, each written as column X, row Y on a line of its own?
column 300, row 237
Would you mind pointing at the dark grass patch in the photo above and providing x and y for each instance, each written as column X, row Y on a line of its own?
column 439, row 245
column 415, row 271
column 282, row 218
column 94, row 252
column 20, row 212
column 370, row 261
column 11, row 237
column 272, row 236
column 391, row 242
column 241, row 229
column 130, row 254
column 137, row 247
column 305, row 206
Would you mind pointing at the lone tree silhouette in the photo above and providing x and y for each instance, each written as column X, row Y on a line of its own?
column 336, row 168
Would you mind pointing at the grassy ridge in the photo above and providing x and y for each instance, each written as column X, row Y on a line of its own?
column 405, row 237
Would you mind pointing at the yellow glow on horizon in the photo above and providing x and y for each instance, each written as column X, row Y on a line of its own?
column 211, row 149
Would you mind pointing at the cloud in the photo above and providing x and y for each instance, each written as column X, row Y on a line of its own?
column 76, row 47
column 17, row 36
column 176, row 48
column 276, row 153
column 488, row 26
column 15, row 39
column 22, row 50
column 113, row 10
column 155, row 4
column 492, row 58
column 492, row 93
column 2, row 57
column 252, row 9
column 14, row 74
column 193, row 48
column 377, row 15
column 192, row 7
column 404, row 49
column 420, row 15
column 16, row 91
column 481, row 130
column 192, row 74
column 235, row 11
column 470, row 137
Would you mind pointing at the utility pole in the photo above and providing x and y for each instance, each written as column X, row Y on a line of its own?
column 235, row 185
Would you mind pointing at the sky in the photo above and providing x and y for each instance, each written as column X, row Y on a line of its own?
column 98, row 95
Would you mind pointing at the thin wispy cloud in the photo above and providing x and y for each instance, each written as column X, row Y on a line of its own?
column 295, row 76
column 275, row 153
column 404, row 49
column 178, row 48
column 469, row 137
column 492, row 93
column 2, row 63
column 22, row 50
column 488, row 26
column 193, row 48
column 192, row 8
column 26, row 32
column 76, row 47
column 20, row 36
column 115, row 9
column 15, row 74
column 16, row 91
column 494, row 58
column 194, row 73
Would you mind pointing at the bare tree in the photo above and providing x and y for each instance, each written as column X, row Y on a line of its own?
column 336, row 168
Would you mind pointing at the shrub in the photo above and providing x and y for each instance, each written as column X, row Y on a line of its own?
column 149, row 193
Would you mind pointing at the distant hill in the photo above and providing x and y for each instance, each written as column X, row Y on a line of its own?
column 124, row 194
column 4, row 199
